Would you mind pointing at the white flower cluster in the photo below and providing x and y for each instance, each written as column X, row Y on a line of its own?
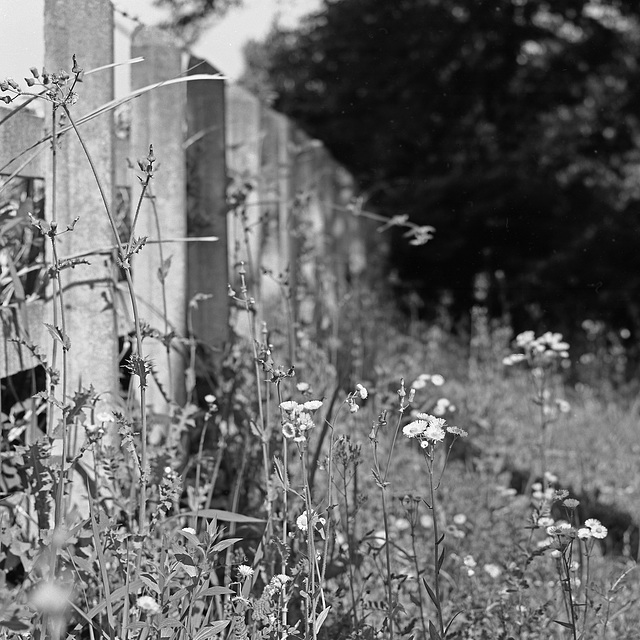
column 424, row 378
column 545, row 349
column 430, row 429
column 593, row 529
column 298, row 418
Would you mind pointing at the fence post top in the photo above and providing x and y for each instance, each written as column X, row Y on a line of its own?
column 144, row 35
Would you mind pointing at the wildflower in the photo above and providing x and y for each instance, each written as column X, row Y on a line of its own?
column 105, row 417
column 455, row 431
column 492, row 570
column 525, row 338
column 303, row 522
column 596, row 528
column 148, row 605
column 437, row 380
column 51, row 598
column 303, row 387
column 426, row 521
column 245, row 571
column 442, row 406
column 584, row 533
column 288, row 430
column 456, row 533
column 209, row 398
column 419, row 383
column 556, row 553
column 353, row 407
column 415, row 428
column 362, row 391
column 545, row 521
column 599, row 532
column 434, row 432
column 469, row 561
column 190, row 530
column 459, row 519
column 289, row 406
column 312, row 405
column 401, row 524
column 563, row 406
column 571, row 503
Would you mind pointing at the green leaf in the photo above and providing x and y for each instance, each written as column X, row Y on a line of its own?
column 58, row 335
column 567, row 625
column 441, row 559
column 432, row 595
column 224, row 544
column 225, row 516
column 215, row 591
column 433, row 632
column 163, row 271
column 214, row 628
column 321, row 618
column 16, row 625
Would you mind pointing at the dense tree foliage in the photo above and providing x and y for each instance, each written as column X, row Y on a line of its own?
column 187, row 18
column 510, row 125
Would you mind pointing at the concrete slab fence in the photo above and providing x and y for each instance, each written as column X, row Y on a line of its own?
column 207, row 135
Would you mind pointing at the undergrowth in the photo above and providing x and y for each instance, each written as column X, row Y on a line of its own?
column 373, row 480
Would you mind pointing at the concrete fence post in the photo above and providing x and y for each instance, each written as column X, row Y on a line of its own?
column 159, row 118
column 208, row 270
column 85, row 28
column 244, row 139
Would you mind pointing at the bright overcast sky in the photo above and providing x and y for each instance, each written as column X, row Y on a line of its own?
column 21, row 44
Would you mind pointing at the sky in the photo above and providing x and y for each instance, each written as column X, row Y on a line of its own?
column 21, row 25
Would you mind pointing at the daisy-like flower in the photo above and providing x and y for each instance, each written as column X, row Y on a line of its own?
column 597, row 529
column 303, row 387
column 469, row 561
column 312, row 405
column 570, row 503
column 245, row 571
column 415, row 428
column 599, row 532
column 434, row 432
column 302, row 521
column 455, row 431
column 288, row 430
column 419, row 383
column 362, row 391
column 289, row 406
column 148, row 605
column 525, row 338
column 492, row 570
column 442, row 406
column 437, row 380
column 584, row 533
column 459, row 519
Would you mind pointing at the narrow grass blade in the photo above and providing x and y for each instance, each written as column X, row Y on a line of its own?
column 432, row 595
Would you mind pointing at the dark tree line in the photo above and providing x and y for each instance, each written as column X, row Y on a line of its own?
column 509, row 125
